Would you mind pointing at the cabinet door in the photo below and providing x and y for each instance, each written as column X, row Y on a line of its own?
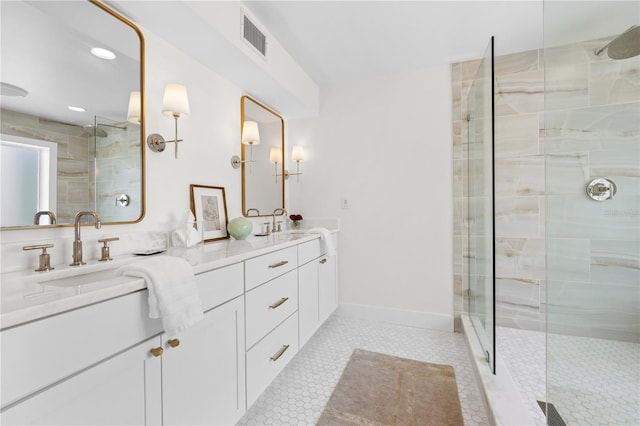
column 203, row 378
column 308, row 315
column 327, row 284
column 123, row 390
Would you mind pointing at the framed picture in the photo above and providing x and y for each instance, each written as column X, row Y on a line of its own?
column 209, row 205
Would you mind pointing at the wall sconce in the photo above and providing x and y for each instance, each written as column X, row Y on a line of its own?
column 134, row 112
column 275, row 156
column 251, row 137
column 174, row 103
column 297, row 155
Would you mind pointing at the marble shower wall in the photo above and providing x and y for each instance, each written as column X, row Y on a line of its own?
column 592, row 117
column 118, row 171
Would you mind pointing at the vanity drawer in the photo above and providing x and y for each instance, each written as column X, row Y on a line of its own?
column 40, row 353
column 270, row 304
column 309, row 251
column 266, row 359
column 220, row 285
column 266, row 267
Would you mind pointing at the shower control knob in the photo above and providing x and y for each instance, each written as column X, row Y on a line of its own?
column 601, row 189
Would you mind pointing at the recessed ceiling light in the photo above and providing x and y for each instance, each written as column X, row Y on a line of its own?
column 103, row 53
column 77, row 109
column 7, row 89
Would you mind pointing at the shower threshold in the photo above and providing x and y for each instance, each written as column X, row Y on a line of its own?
column 502, row 399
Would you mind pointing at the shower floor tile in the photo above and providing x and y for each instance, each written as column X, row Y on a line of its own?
column 298, row 395
column 593, row 381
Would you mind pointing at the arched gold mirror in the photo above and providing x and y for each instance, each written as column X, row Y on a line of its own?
column 262, row 158
column 72, row 117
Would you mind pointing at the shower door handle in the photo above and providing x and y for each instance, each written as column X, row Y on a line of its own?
column 601, row 189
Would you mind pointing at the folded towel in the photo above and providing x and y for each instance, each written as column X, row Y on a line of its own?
column 173, row 295
column 325, row 238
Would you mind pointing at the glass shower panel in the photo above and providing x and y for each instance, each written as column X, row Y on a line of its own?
column 592, row 131
column 481, row 239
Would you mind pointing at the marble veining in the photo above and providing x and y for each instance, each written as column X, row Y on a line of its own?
column 552, row 137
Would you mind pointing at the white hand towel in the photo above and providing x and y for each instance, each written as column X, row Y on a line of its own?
column 173, row 295
column 325, row 238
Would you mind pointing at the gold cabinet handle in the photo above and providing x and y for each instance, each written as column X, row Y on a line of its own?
column 277, row 265
column 281, row 352
column 323, row 260
column 174, row 343
column 278, row 303
column 157, row 351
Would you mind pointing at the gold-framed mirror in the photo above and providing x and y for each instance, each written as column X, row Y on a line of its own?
column 263, row 166
column 55, row 159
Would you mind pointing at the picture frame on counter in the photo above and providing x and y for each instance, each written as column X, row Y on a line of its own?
column 209, row 206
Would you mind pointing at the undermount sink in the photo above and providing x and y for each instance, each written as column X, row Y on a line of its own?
column 81, row 279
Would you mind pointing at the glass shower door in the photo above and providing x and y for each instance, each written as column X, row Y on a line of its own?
column 481, row 238
column 592, row 202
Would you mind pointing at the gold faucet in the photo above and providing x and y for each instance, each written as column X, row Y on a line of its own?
column 77, row 242
column 283, row 212
column 52, row 217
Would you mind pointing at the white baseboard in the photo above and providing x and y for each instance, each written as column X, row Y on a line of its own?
column 408, row 318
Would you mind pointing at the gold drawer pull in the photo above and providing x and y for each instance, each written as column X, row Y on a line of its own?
column 174, row 343
column 280, row 353
column 157, row 352
column 277, row 265
column 278, row 303
column 323, row 261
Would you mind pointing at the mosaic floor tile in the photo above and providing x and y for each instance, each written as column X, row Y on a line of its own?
column 298, row 395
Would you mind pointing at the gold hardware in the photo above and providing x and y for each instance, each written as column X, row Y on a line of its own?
column 44, row 260
column 278, row 303
column 281, row 352
column 277, row 265
column 106, row 257
column 157, row 351
column 174, row 343
column 323, row 261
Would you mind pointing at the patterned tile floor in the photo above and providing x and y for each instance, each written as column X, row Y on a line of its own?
column 298, row 395
column 593, row 381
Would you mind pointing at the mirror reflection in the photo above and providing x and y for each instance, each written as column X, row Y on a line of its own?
column 263, row 164
column 70, row 128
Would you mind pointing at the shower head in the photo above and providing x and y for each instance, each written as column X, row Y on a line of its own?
column 626, row 45
column 94, row 131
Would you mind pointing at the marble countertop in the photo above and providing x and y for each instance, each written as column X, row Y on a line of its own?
column 28, row 295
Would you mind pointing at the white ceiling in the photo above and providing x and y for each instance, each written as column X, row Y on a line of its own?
column 338, row 42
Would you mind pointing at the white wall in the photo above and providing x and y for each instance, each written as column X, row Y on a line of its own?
column 385, row 145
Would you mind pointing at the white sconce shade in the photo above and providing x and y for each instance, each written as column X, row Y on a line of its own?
column 250, row 133
column 134, row 111
column 275, row 155
column 297, row 154
column 175, row 101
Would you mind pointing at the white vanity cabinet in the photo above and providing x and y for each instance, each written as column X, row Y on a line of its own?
column 317, row 288
column 272, row 322
column 203, row 370
column 203, row 374
column 87, row 366
column 107, row 363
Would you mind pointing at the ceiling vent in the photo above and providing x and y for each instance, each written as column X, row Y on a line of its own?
column 254, row 36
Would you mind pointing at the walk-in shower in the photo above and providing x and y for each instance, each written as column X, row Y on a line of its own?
column 547, row 189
